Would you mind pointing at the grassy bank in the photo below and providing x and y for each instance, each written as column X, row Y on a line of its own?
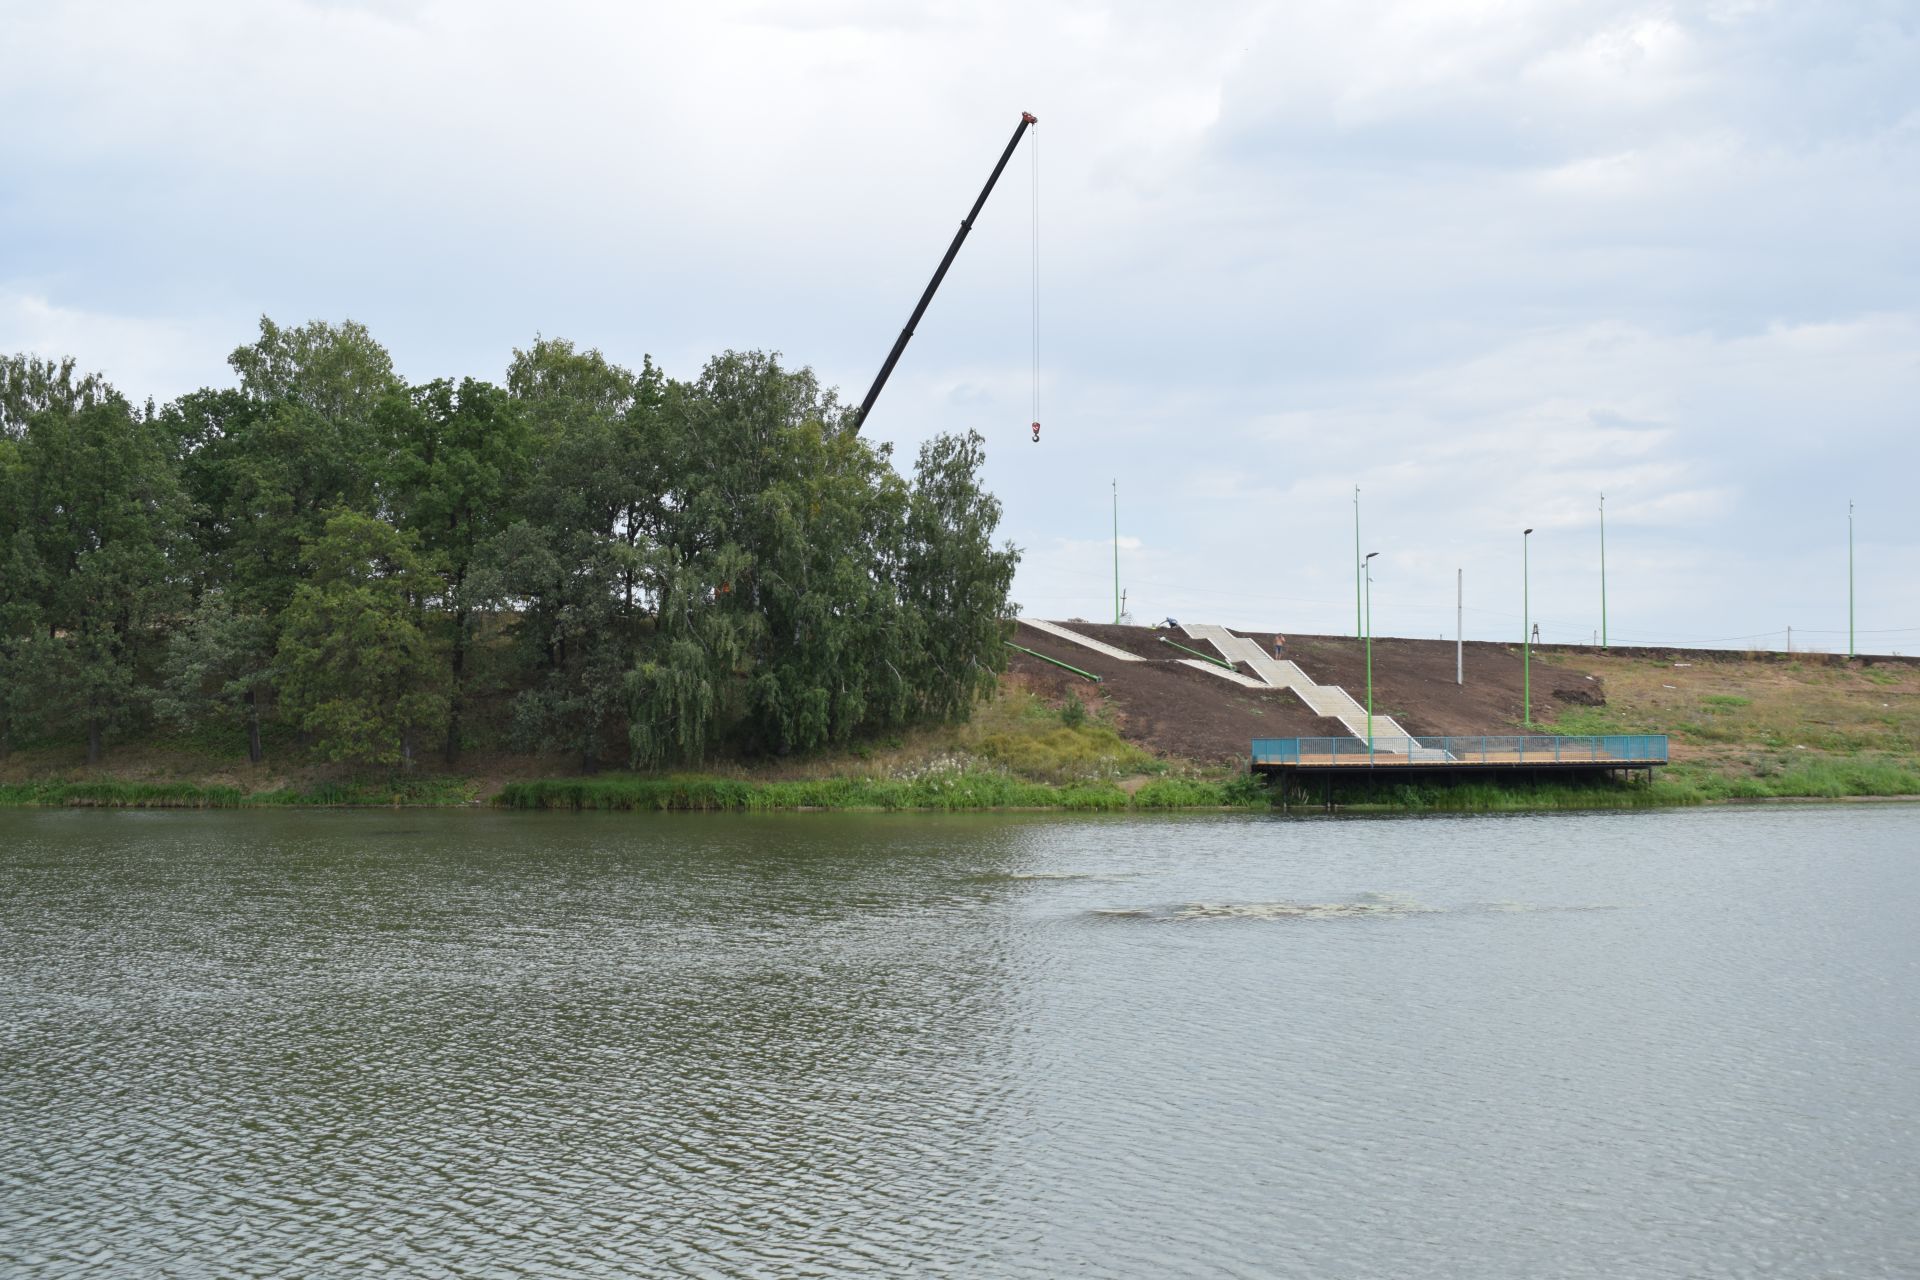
column 983, row 791
column 192, row 795
column 1740, row 730
column 1760, row 728
column 952, row 792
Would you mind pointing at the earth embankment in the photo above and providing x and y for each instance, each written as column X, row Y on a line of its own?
column 1765, row 722
column 1175, row 709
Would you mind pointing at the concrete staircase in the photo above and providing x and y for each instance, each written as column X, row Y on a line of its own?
column 1328, row 700
column 1074, row 637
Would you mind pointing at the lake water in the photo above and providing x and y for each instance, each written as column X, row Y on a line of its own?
column 485, row 1044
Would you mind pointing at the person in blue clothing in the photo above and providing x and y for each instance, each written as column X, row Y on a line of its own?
column 1279, row 647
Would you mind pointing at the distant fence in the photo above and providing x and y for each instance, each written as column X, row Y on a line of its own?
column 1490, row 749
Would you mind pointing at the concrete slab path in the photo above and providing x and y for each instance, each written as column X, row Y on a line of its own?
column 1328, row 700
column 1074, row 637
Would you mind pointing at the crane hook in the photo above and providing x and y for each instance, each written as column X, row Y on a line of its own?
column 1036, row 433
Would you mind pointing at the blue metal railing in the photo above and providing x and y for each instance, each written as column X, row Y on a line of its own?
column 1517, row 748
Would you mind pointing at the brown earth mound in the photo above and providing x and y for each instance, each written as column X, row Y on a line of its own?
column 1162, row 705
column 1175, row 710
column 1413, row 680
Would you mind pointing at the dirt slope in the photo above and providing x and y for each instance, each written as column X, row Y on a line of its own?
column 1164, row 706
column 1176, row 710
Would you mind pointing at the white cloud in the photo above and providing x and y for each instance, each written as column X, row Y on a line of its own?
column 1485, row 259
column 140, row 355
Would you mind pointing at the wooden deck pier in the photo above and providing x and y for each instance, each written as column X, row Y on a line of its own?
column 1459, row 754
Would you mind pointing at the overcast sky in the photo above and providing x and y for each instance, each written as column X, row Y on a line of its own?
column 1484, row 260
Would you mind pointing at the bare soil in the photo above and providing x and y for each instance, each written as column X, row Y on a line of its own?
column 1166, row 707
column 1413, row 681
column 1175, row 710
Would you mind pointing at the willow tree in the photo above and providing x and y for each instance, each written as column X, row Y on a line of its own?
column 807, row 593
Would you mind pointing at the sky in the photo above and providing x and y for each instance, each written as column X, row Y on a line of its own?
column 1485, row 260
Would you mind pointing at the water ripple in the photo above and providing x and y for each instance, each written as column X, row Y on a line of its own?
column 324, row 1044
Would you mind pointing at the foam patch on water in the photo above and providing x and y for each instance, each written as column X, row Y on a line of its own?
column 1365, row 905
column 1060, row 875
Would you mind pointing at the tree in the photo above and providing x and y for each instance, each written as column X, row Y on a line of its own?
column 264, row 465
column 681, row 567
column 337, row 371
column 579, row 563
column 30, row 385
column 20, row 595
column 360, row 671
column 953, row 579
column 99, row 541
column 214, row 665
column 778, row 619
column 455, row 458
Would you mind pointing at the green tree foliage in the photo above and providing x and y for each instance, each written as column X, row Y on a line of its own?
column 359, row 669
column 589, row 558
column 576, row 563
column 803, row 597
column 777, row 617
column 337, row 371
column 264, row 466
column 953, row 580
column 214, row 666
column 94, row 559
column 267, row 464
column 455, row 458
column 20, row 626
column 31, row 385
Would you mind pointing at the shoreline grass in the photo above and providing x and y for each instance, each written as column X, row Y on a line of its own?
column 982, row 791
column 434, row 792
column 948, row 793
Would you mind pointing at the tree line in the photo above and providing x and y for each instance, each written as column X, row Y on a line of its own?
column 588, row 558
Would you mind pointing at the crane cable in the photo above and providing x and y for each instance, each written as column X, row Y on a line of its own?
column 1033, row 371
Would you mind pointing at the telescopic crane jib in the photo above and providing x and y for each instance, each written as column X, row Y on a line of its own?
column 900, row 344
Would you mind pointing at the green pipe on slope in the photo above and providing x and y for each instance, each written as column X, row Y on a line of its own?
column 1065, row 666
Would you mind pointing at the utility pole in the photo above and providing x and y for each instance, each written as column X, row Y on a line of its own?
column 1459, row 625
column 1366, row 567
column 1603, row 571
column 1116, row 553
column 1357, row 630
column 1849, row 579
column 1526, row 638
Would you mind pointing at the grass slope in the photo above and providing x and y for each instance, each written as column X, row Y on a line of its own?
column 1762, row 726
column 1741, row 729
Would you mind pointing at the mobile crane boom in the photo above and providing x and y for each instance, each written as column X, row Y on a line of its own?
column 900, row 344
